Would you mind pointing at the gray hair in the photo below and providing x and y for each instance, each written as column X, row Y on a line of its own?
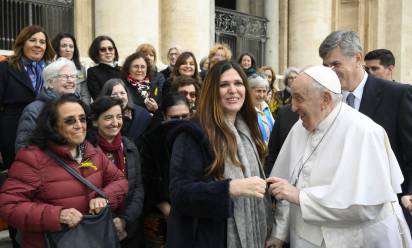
column 347, row 41
column 336, row 97
column 288, row 71
column 258, row 80
column 54, row 68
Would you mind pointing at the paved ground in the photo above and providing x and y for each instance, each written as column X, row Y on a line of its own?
column 4, row 239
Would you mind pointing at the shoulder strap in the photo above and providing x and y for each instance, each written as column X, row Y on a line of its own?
column 75, row 174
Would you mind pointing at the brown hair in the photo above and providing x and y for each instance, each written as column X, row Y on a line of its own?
column 268, row 68
column 129, row 60
column 212, row 119
column 21, row 39
column 182, row 60
column 147, row 48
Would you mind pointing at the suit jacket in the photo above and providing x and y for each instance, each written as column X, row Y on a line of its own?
column 390, row 105
column 284, row 121
column 16, row 91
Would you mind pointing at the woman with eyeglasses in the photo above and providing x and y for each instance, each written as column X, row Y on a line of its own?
column 155, row 164
column 65, row 46
column 104, row 53
column 107, row 118
column 60, row 78
column 136, row 119
column 39, row 195
column 156, row 78
column 217, row 186
column 138, row 74
column 259, row 88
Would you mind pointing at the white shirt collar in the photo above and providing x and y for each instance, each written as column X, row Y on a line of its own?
column 358, row 92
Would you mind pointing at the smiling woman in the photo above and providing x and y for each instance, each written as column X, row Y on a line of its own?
column 60, row 77
column 40, row 196
column 221, row 195
column 21, row 82
column 103, row 52
column 107, row 120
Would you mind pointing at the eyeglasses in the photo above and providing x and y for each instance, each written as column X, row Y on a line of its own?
column 192, row 94
column 66, row 78
column 106, row 49
column 179, row 117
column 71, row 120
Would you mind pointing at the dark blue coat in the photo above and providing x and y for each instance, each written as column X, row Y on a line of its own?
column 200, row 204
column 16, row 91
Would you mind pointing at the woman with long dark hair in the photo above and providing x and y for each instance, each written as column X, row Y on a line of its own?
column 216, row 177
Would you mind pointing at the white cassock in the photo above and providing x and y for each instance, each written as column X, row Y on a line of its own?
column 348, row 185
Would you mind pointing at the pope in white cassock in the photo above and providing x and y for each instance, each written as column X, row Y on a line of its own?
column 336, row 176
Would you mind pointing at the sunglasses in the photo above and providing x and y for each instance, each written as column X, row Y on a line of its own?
column 192, row 94
column 179, row 117
column 71, row 120
column 106, row 49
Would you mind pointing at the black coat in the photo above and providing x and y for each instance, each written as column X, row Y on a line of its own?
column 156, row 88
column 135, row 127
column 135, row 195
column 200, row 204
column 16, row 92
column 98, row 75
column 285, row 119
column 390, row 105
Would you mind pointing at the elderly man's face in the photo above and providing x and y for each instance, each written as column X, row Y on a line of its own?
column 344, row 67
column 307, row 102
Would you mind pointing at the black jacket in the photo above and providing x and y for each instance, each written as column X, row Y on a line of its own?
column 135, row 127
column 390, row 105
column 200, row 204
column 157, row 82
column 285, row 119
column 135, row 196
column 98, row 75
column 16, row 92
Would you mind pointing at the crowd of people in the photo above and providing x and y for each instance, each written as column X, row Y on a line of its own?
column 216, row 154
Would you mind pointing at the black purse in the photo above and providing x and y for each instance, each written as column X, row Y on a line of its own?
column 93, row 231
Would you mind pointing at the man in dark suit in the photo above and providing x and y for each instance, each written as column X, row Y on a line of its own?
column 285, row 119
column 387, row 103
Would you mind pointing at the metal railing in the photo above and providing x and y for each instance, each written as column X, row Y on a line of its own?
column 53, row 15
column 241, row 32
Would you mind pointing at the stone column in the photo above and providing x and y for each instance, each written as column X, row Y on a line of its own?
column 83, row 25
column 128, row 23
column 398, row 37
column 271, row 8
column 243, row 6
column 309, row 24
column 186, row 24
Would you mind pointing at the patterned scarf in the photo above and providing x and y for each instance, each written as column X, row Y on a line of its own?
column 34, row 70
column 142, row 87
